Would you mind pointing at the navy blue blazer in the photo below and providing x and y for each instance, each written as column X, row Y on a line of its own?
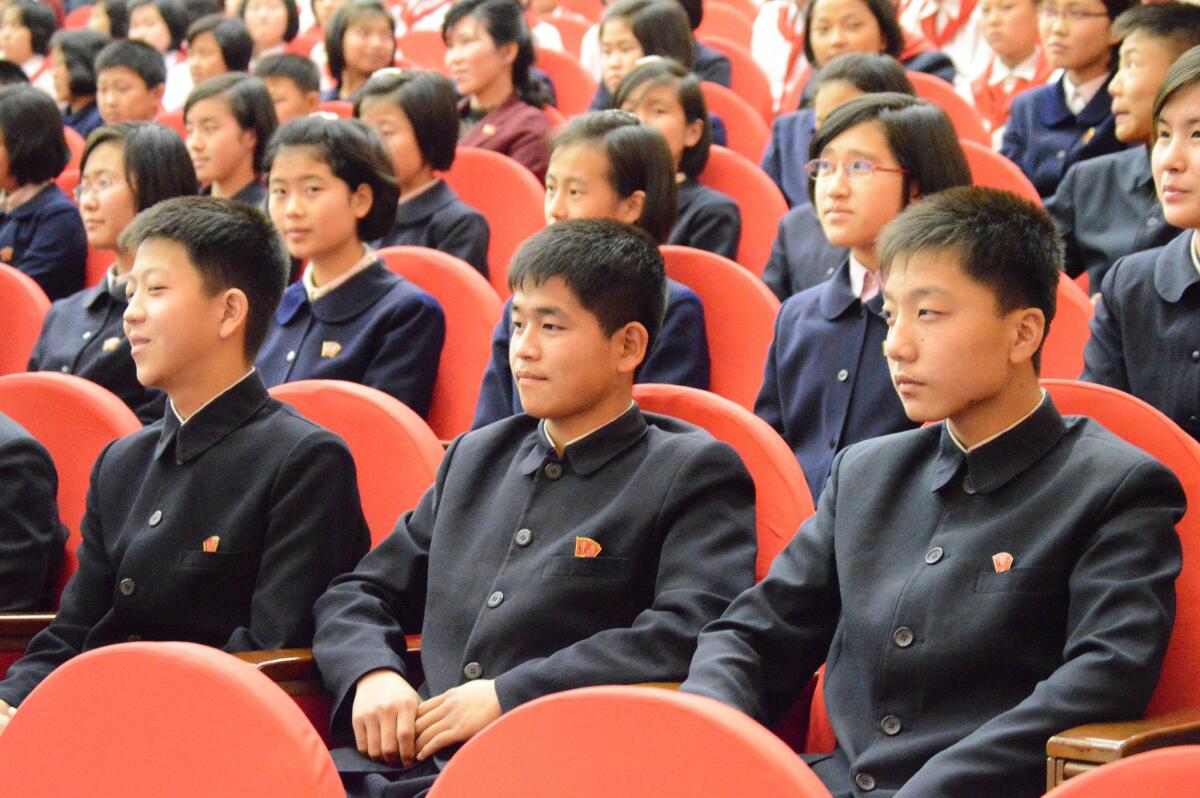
column 706, row 219
column 45, row 239
column 84, row 335
column 801, row 256
column 711, row 65
column 787, row 153
column 438, row 219
column 1044, row 138
column 279, row 492
column 31, row 535
column 678, row 356
column 378, row 329
column 1106, row 208
column 826, row 383
column 1146, row 332
column 85, row 120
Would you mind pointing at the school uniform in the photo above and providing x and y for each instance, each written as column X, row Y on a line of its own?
column 826, row 384
column 967, row 606
column 710, row 64
column 706, row 219
column 678, row 356
column 31, row 536
column 253, row 194
column 546, row 572
column 514, row 128
column 377, row 329
column 438, row 219
column 801, row 255
column 84, row 335
column 85, row 120
column 44, row 237
column 787, row 153
column 952, row 27
column 1106, row 208
column 40, row 71
column 1146, row 332
column 992, row 92
column 222, row 530
column 1045, row 139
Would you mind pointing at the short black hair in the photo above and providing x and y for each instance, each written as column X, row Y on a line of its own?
column 248, row 100
column 11, row 74
column 173, row 13
column 615, row 270
column 117, row 13
column 1182, row 75
column 1177, row 24
column 32, row 127
column 79, row 49
column 230, row 35
column 355, row 155
column 198, row 9
column 659, row 71
column 694, row 10
column 870, row 73
column 293, row 17
column 505, row 23
column 639, row 159
column 429, row 101
column 296, row 68
column 885, row 15
column 918, row 133
column 157, row 164
column 353, row 12
column 41, row 22
column 138, row 57
column 230, row 244
column 660, row 26
column 1003, row 242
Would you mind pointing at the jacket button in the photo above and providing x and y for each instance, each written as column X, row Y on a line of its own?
column 291, row 356
column 87, row 336
column 1196, row 356
column 833, row 443
column 1151, row 222
column 968, row 486
column 473, row 670
column 903, row 637
column 1192, row 420
column 843, row 375
column 1061, row 154
column 553, row 471
column 127, row 587
column 65, row 369
column 495, row 600
column 890, row 725
column 155, row 517
column 524, row 537
column 865, row 782
column 933, row 555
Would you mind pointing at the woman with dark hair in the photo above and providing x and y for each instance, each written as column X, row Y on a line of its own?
column 217, row 45
column 229, row 120
column 126, row 169
column 489, row 52
column 163, row 24
column 25, row 30
column 359, row 41
column 633, row 29
column 74, row 55
column 272, row 24
column 110, row 17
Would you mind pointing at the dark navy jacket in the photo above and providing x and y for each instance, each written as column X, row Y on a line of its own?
column 706, row 219
column 678, row 356
column 279, row 492
column 826, row 384
column 945, row 674
column 1146, row 331
column 45, row 239
column 83, row 335
column 85, row 120
column 787, row 153
column 801, row 256
column 711, row 65
column 378, row 329
column 438, row 219
column 31, row 536
column 1044, row 138
column 1106, row 208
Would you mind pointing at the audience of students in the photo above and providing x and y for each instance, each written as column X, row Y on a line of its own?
column 216, row 45
column 1018, row 63
column 229, row 121
column 73, row 53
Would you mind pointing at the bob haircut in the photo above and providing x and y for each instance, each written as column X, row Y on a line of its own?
column 428, row 100
column 157, row 165
column 1182, row 75
column 638, row 160
column 33, row 134
column 870, row 73
column 117, row 14
column 173, row 13
column 918, row 133
column 355, row 155
column 660, row 26
column 884, row 13
column 296, row 68
column 352, row 13
column 293, row 17
column 79, row 49
column 230, row 35
column 138, row 57
column 505, row 23
column 248, row 100
column 40, row 21
column 655, row 71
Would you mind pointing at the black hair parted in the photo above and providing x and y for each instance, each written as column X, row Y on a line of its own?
column 615, row 270
column 870, row 73
column 885, row 16
column 79, row 49
column 173, row 13
column 40, row 20
column 654, row 71
column 1003, row 242
column 157, row 164
column 660, row 26
column 1177, row 24
column 504, row 21
column 429, row 101
column 248, row 100
column 138, row 57
column 293, row 17
column 230, row 35
column 117, row 13
column 350, row 14
column 1182, row 75
column 296, row 68
column 32, row 127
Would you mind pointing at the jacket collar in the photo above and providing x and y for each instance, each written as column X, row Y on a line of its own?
column 211, row 423
column 343, row 304
column 1053, row 110
column 419, row 209
column 1174, row 271
column 92, row 297
column 997, row 462
column 837, row 299
column 464, row 107
column 1140, row 173
column 36, row 202
column 590, row 454
column 688, row 191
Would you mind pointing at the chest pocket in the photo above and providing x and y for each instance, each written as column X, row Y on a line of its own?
column 611, row 568
column 218, row 561
column 1022, row 580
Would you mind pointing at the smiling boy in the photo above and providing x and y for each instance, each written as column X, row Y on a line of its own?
column 975, row 586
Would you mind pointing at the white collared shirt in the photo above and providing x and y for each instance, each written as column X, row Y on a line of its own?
column 989, row 439
column 858, row 275
column 1078, row 97
column 550, row 438
column 1195, row 257
column 315, row 292
column 1003, row 75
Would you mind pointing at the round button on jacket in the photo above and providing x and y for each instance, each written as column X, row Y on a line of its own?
column 843, row 375
column 524, row 537
column 473, row 670
column 933, row 555
column 903, row 637
column 968, row 486
column 127, row 587
column 495, row 600
column 554, row 470
column 865, row 782
column 890, row 725
column 155, row 517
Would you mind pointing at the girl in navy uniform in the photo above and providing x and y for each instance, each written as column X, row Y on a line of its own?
column 74, row 55
column 416, row 115
column 360, row 40
column 230, row 119
column 348, row 317
column 126, row 169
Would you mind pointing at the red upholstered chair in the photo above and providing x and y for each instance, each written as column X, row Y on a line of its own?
column 748, row 79
column 574, row 86
column 748, row 8
column 173, row 120
column 726, row 22
column 23, row 306
column 75, row 144
column 472, row 311
column 343, row 108
column 748, row 133
column 758, row 198
column 1155, row 773
column 1062, row 354
column 175, row 719
column 739, row 317
column 98, row 263
column 78, row 18
column 634, row 742
column 509, row 197
column 782, row 499
column 965, row 118
column 303, row 44
column 592, row 9
column 424, row 49
column 572, row 30
column 68, row 181
column 555, row 117
column 992, row 170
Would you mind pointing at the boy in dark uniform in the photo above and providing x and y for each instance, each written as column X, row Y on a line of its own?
column 223, row 522
column 580, row 543
column 974, row 586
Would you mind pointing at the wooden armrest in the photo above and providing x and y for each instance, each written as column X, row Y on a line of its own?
column 660, row 685
column 297, row 664
column 1086, row 747
column 16, row 628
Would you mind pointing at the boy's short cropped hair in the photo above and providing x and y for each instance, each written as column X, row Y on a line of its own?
column 614, row 269
column 41, row 22
column 79, row 49
column 173, row 13
column 1002, row 241
column 296, row 68
column 1176, row 24
column 230, row 35
column 231, row 245
column 157, row 164
column 138, row 57
column 32, row 127
column 248, row 100
column 429, row 101
column 11, row 74
column 870, row 73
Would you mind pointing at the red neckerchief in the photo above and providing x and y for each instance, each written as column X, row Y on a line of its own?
column 993, row 102
column 929, row 24
column 47, row 62
column 410, row 17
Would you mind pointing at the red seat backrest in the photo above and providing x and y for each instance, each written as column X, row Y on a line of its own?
column 748, row 133
column 592, row 9
column 571, row 30
column 68, row 181
column 75, row 144
column 173, row 120
column 574, row 86
column 1161, row 772
column 966, row 120
column 424, row 49
column 726, row 22
column 23, row 307
column 343, row 108
column 758, row 198
column 98, row 263
column 992, row 170
column 1062, row 354
column 748, row 80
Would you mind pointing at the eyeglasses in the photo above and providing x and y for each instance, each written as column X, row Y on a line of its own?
column 1069, row 14
column 97, row 187
column 858, row 169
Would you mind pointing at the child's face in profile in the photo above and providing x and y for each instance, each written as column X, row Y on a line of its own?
column 205, row 59
column 290, row 102
column 619, row 52
column 393, row 126
column 1010, row 27
column 122, row 96
column 659, row 107
column 15, row 39
column 1075, row 33
column 577, row 187
column 1144, row 61
column 1175, row 158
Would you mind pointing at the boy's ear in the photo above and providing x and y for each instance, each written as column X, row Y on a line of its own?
column 632, row 342
column 312, row 99
column 157, row 92
column 629, row 209
column 1029, row 329
column 235, row 308
column 361, row 200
